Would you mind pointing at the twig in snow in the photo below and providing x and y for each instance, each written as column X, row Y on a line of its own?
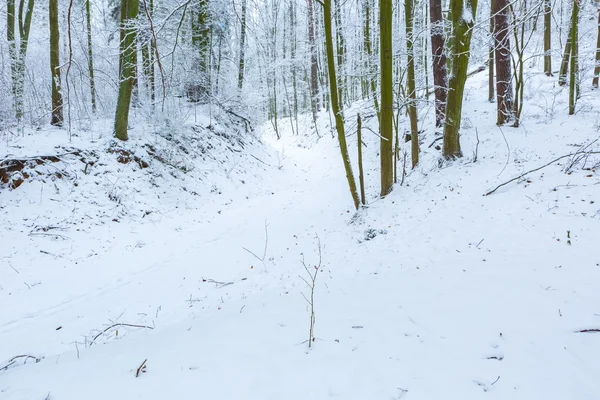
column 534, row 170
column 495, row 380
column 435, row 140
column 217, row 283
column 311, row 283
column 15, row 358
column 117, row 325
column 141, row 368
column 262, row 259
column 476, row 146
column 593, row 330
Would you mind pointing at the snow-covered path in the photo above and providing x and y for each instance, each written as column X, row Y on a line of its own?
column 453, row 295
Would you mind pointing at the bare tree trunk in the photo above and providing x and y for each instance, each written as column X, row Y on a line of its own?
column 548, row 37
column 438, row 50
column 314, row 67
column 127, row 72
column 18, row 57
column 339, row 120
column 463, row 19
column 361, row 175
column 387, row 96
column 491, row 63
column 410, row 81
column 242, row 46
column 88, row 20
column 57, row 101
column 597, row 67
column 574, row 74
column 564, row 65
column 504, row 90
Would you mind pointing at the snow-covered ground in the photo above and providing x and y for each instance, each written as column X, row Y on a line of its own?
column 434, row 292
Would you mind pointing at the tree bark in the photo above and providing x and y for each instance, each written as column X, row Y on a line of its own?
column 387, row 96
column 242, row 46
column 57, row 101
column 574, row 73
column 127, row 63
column 504, row 89
column 410, row 82
column 88, row 20
column 564, row 65
column 314, row 66
column 548, row 37
column 339, row 120
column 438, row 50
column 491, row 63
column 597, row 67
column 463, row 19
column 18, row 57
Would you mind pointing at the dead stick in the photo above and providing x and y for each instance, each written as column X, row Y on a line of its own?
column 137, row 373
column 537, row 169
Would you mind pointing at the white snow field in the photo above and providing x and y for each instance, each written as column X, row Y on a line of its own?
column 435, row 292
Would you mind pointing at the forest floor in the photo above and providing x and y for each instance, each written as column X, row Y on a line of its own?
column 433, row 292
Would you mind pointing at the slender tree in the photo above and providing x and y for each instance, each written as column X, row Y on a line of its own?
column 491, row 62
column 127, row 63
column 314, row 63
column 564, row 65
column 88, row 20
column 242, row 46
column 339, row 119
column 463, row 19
column 410, row 81
column 597, row 66
column 548, row 37
column 18, row 54
column 504, row 90
column 574, row 60
column 438, row 50
column 57, row 101
column 387, row 96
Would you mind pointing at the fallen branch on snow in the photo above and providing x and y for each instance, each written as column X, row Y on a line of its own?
column 537, row 169
column 14, row 360
column 117, row 325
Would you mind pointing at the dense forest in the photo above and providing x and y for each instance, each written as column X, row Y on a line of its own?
column 69, row 62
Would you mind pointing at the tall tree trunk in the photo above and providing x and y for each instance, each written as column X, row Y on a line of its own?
column 57, row 101
column 463, row 19
column 548, row 37
column 369, row 49
column 491, row 62
column 18, row 57
column 564, row 65
column 242, row 46
column 293, row 49
column 574, row 73
column 438, row 50
column 12, row 49
column 410, row 81
column 198, row 89
column 504, row 90
column 341, row 48
column 387, row 96
column 314, row 66
column 337, row 110
column 597, row 67
column 88, row 20
column 127, row 63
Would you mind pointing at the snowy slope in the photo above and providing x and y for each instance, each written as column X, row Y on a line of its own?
column 434, row 292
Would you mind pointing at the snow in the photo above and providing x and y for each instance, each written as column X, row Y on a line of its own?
column 433, row 292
